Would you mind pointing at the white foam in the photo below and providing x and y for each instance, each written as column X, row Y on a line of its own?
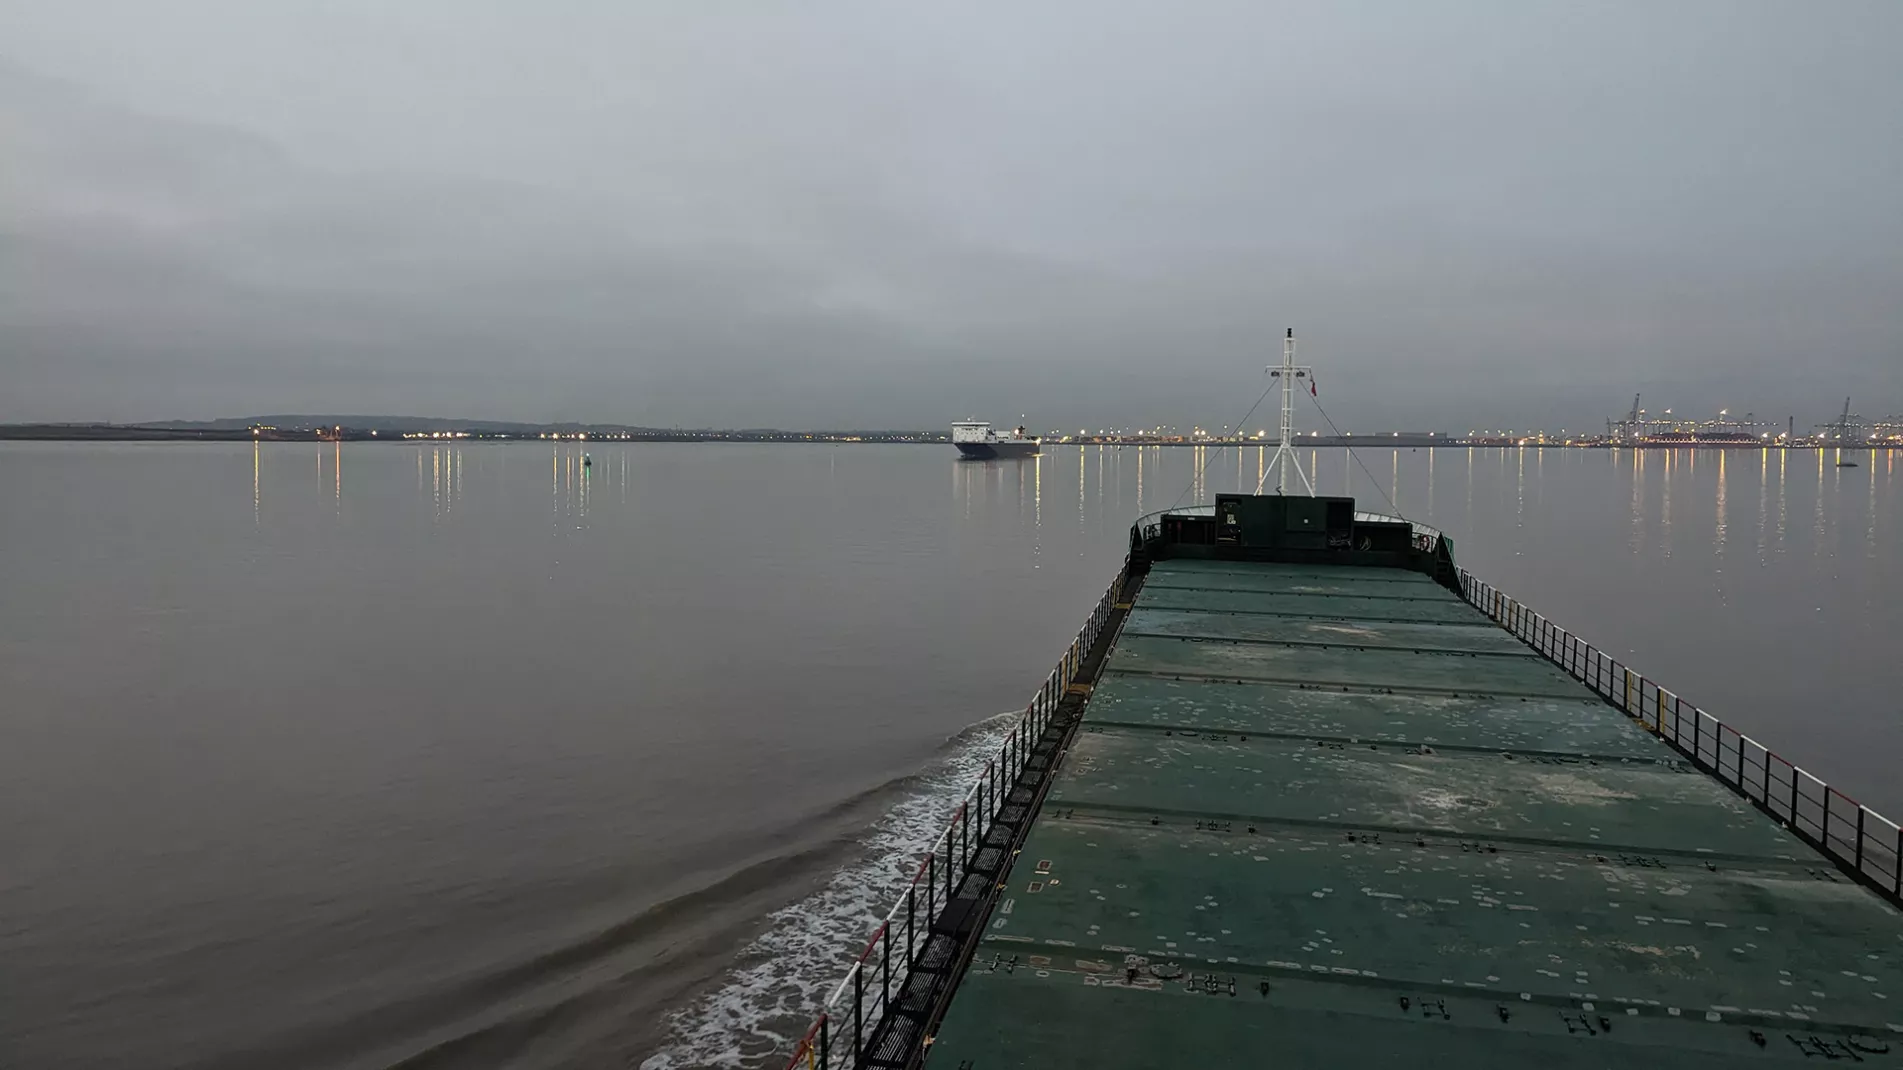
column 775, row 988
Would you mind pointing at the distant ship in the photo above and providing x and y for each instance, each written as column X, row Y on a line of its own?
column 976, row 439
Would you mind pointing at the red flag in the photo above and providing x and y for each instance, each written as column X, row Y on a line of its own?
column 1312, row 392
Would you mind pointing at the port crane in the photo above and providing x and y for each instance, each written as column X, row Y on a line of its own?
column 1632, row 427
column 1846, row 426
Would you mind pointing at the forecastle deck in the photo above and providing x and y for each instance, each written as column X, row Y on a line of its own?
column 1326, row 816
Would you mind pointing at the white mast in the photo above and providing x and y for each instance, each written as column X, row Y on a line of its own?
column 1285, row 450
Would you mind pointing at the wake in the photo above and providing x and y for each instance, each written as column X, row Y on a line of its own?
column 774, row 989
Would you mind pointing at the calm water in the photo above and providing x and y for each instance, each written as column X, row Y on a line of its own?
column 465, row 756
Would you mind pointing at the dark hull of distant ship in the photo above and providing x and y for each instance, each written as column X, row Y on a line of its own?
column 987, row 451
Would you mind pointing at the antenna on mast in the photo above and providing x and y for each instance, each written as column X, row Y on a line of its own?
column 1284, row 449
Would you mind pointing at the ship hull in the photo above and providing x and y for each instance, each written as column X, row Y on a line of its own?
column 988, row 451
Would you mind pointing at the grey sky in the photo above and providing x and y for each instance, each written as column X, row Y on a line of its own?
column 854, row 214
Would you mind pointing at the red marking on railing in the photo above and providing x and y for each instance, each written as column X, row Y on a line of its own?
column 1833, row 791
column 872, row 943
column 806, row 1043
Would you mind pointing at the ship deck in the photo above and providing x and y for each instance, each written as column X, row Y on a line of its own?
column 1334, row 817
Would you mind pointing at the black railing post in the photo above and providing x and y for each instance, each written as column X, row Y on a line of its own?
column 1793, row 770
column 931, row 887
column 858, row 1011
column 987, row 804
column 911, row 910
column 948, row 869
column 885, row 965
column 955, row 837
column 1896, row 861
column 1740, row 736
column 964, row 829
column 1860, row 812
column 825, row 1042
column 1825, row 833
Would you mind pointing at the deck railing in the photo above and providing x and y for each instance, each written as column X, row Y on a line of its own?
column 1863, row 842
column 1426, row 539
column 848, row 1022
column 1150, row 525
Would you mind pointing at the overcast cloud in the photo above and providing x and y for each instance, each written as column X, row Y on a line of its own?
column 886, row 214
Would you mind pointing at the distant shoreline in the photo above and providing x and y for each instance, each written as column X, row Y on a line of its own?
column 147, row 433
column 150, row 433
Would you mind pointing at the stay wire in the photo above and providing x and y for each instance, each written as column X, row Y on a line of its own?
column 1193, row 479
column 1339, row 437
